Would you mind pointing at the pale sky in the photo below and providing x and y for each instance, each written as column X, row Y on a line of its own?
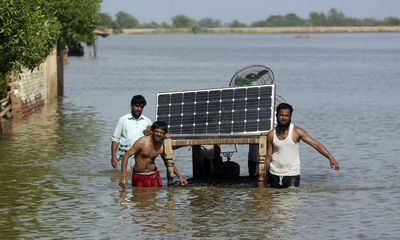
column 247, row 11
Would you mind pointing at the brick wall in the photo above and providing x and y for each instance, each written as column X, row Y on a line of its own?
column 31, row 89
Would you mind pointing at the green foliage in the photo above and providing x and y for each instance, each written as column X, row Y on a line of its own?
column 150, row 25
column 285, row 21
column 332, row 18
column 182, row 21
column 209, row 23
column 3, row 86
column 124, row 20
column 392, row 21
column 105, row 21
column 197, row 29
column 318, row 19
column 289, row 20
column 165, row 25
column 336, row 18
column 236, row 24
column 27, row 34
column 78, row 19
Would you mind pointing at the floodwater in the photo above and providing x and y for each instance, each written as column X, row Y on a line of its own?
column 56, row 180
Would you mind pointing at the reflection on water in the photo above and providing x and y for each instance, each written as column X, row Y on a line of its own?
column 56, row 181
column 199, row 212
column 35, row 185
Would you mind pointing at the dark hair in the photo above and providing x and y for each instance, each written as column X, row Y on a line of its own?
column 284, row 106
column 138, row 99
column 160, row 124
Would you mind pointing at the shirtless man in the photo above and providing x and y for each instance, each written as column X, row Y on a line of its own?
column 145, row 150
column 283, row 158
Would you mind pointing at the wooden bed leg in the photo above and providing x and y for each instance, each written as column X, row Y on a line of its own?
column 168, row 158
column 262, row 153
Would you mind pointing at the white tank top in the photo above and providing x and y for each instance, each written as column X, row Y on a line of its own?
column 285, row 155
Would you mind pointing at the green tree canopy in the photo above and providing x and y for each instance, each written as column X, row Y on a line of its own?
column 105, row 21
column 236, row 24
column 332, row 18
column 182, row 21
column 28, row 34
column 125, row 20
column 318, row 19
column 78, row 19
column 336, row 18
column 392, row 21
column 209, row 22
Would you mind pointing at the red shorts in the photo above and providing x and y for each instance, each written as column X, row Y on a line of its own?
column 144, row 180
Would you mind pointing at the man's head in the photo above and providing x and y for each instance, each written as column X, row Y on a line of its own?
column 159, row 129
column 284, row 115
column 137, row 104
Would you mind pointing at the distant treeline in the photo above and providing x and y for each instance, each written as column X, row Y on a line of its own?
column 332, row 18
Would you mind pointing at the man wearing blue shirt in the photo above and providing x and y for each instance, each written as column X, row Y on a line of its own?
column 130, row 127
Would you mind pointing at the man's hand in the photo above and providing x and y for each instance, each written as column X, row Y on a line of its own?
column 147, row 131
column 114, row 161
column 334, row 164
column 123, row 182
column 183, row 181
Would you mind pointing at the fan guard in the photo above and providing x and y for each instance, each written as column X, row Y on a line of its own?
column 252, row 75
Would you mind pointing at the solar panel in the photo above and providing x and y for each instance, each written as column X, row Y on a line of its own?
column 217, row 112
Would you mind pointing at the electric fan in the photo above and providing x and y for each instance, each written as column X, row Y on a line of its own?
column 252, row 75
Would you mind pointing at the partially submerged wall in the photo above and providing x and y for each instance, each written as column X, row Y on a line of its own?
column 29, row 91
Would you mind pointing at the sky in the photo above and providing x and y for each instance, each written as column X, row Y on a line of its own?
column 247, row 11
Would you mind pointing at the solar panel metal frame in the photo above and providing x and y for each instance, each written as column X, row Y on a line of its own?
column 180, row 111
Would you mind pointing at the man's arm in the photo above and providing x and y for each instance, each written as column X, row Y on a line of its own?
column 123, row 181
column 115, row 142
column 114, row 148
column 178, row 174
column 182, row 180
column 317, row 146
column 268, row 159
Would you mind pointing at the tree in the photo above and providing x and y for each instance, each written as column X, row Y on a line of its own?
column 336, row 18
column 182, row 21
column 392, row 21
column 236, row 24
column 261, row 23
column 125, row 20
column 288, row 20
column 209, row 23
column 292, row 19
column 317, row 19
column 27, row 35
column 105, row 21
column 165, row 25
column 152, row 24
column 78, row 20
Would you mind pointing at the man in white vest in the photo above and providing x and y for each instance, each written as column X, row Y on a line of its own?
column 283, row 158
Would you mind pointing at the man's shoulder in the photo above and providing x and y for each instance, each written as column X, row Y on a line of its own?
column 298, row 130
column 126, row 116
column 271, row 133
column 143, row 139
column 145, row 118
column 296, row 127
